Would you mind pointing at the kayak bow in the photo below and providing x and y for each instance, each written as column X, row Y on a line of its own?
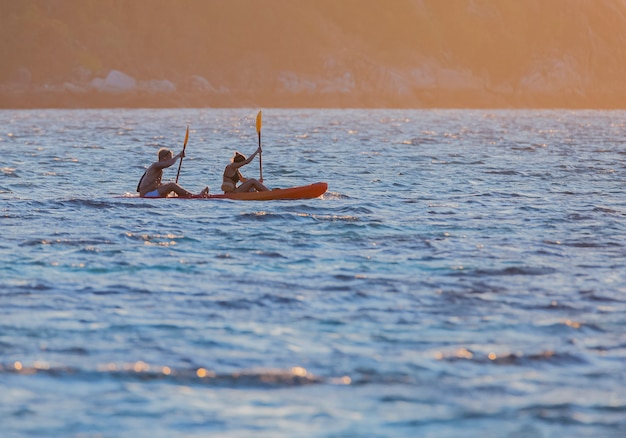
column 302, row 192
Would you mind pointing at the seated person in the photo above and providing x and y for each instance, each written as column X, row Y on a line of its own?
column 150, row 185
column 232, row 175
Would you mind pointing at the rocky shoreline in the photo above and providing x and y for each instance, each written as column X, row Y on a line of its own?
column 288, row 90
column 403, row 54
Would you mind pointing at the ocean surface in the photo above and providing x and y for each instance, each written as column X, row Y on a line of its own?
column 464, row 275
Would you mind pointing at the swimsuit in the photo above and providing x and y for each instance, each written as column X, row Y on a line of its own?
column 152, row 194
column 230, row 182
column 234, row 178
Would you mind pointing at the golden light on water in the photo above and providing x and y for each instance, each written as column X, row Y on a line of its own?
column 278, row 376
column 41, row 365
column 108, row 367
column 464, row 353
column 572, row 324
column 140, row 366
column 203, row 373
column 345, row 380
column 299, row 371
column 156, row 239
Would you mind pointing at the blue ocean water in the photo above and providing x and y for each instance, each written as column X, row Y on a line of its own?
column 465, row 275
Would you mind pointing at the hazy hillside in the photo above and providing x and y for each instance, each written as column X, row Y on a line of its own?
column 405, row 53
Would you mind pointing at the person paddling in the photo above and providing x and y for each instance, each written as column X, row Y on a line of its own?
column 232, row 175
column 150, row 185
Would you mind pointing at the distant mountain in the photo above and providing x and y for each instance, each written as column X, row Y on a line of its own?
column 339, row 53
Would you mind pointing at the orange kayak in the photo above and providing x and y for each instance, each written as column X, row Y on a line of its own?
column 303, row 192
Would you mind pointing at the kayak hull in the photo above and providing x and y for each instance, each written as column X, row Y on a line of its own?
column 310, row 191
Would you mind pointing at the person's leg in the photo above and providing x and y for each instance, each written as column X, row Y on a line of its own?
column 166, row 189
column 250, row 185
column 203, row 194
column 259, row 187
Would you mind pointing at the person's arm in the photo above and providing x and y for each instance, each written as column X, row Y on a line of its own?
column 168, row 163
column 247, row 160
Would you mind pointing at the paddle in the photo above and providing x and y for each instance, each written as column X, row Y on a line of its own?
column 180, row 163
column 258, row 130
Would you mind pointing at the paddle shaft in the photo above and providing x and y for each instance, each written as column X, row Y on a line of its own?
column 259, row 122
column 260, row 159
column 180, row 163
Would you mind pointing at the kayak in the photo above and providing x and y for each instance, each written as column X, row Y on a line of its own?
column 311, row 191
column 302, row 192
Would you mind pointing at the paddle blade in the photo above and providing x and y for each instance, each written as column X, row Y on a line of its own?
column 259, row 122
column 186, row 137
